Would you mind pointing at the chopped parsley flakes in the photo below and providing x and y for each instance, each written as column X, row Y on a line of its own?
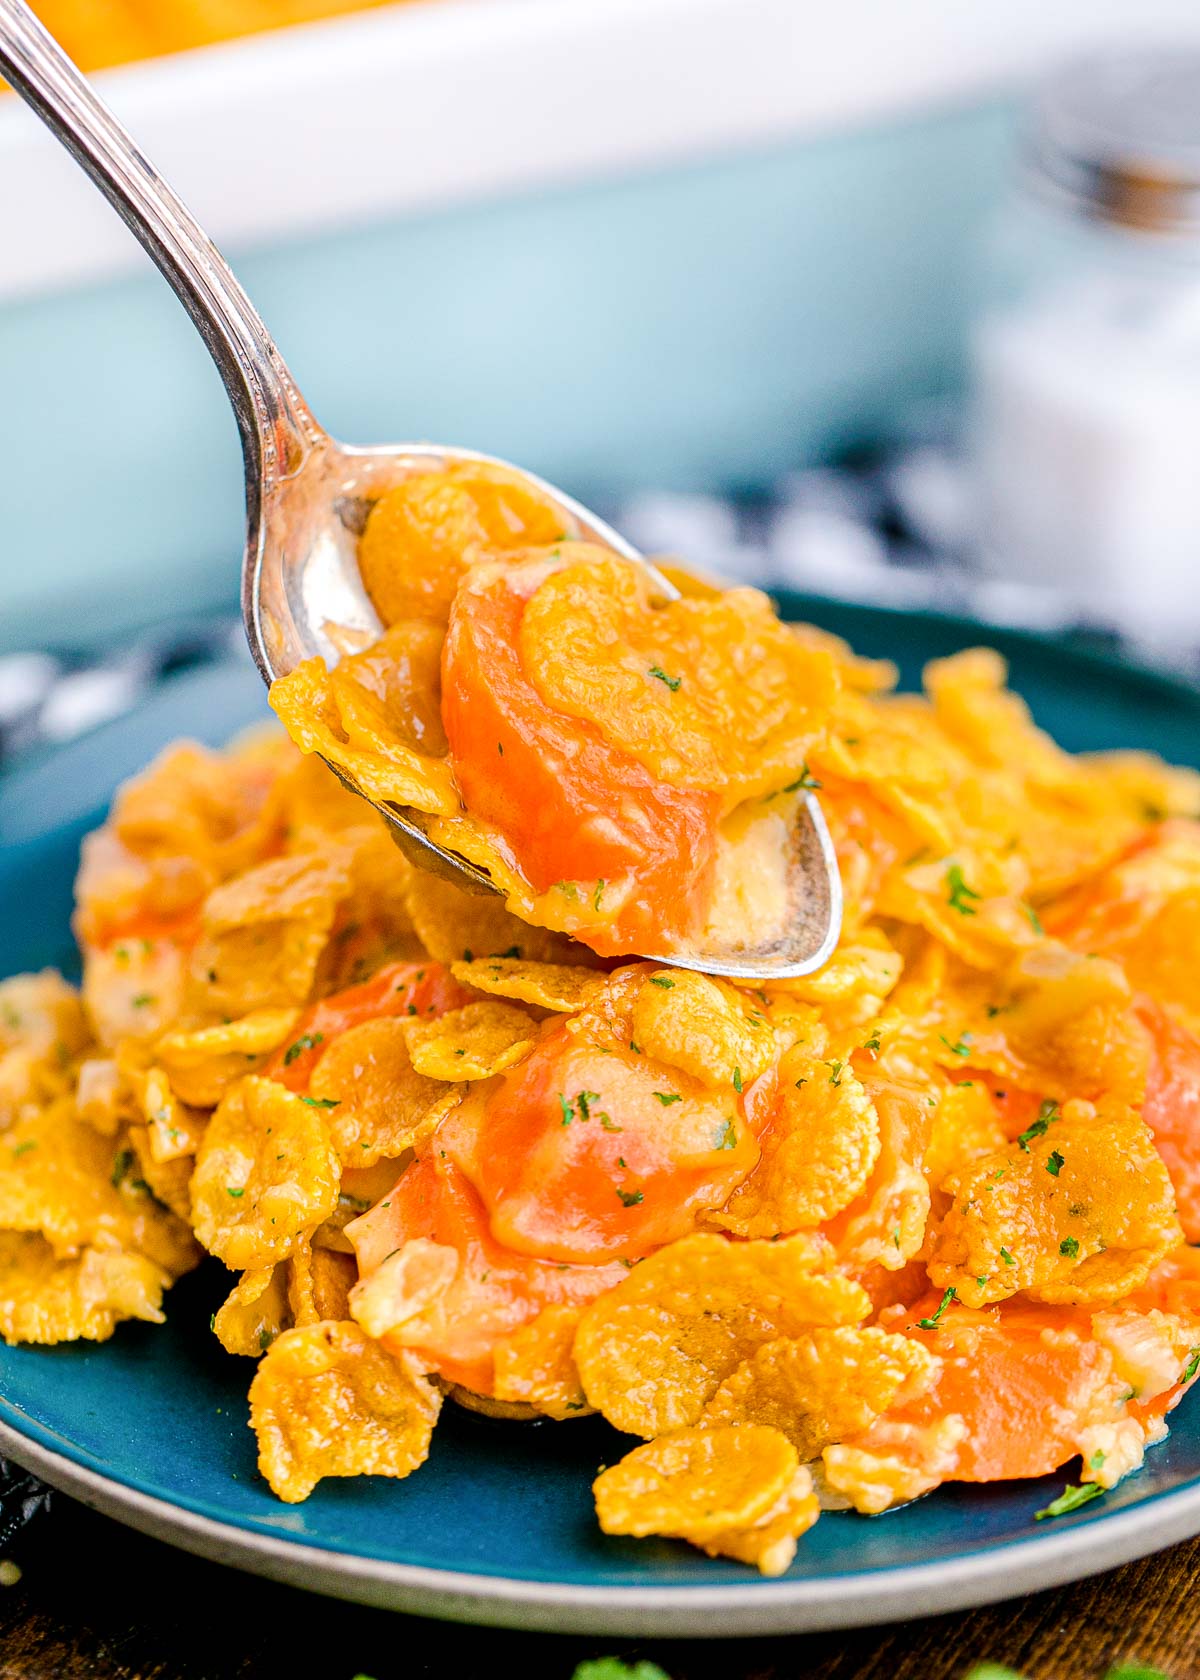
column 671, row 682
column 1047, row 1115
column 960, row 895
column 307, row 1041
column 961, row 1047
column 932, row 1323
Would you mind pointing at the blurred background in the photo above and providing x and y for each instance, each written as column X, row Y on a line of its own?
column 893, row 303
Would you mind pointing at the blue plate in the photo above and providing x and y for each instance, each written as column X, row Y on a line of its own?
column 151, row 1427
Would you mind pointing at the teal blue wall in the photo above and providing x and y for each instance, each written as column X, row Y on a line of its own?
column 709, row 325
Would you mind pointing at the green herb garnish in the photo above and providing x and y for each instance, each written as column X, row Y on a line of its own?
column 1070, row 1499
column 960, row 895
column 932, row 1323
column 307, row 1041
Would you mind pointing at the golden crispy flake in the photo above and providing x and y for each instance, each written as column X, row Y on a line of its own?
column 770, row 1545
column 823, row 1386
column 706, row 1027
column 553, row 986
column 373, row 926
column 972, row 900
column 203, row 1062
column 965, row 1126
column 746, row 700
column 175, row 1129
column 264, row 931
column 818, row 1151
column 312, row 1287
column 473, row 1042
column 653, row 1351
column 862, row 970
column 202, row 805
column 46, row 1299
column 901, row 1462
column 63, row 1179
column 1065, row 1027
column 738, row 1491
column 167, row 1181
column 884, row 1226
column 1080, row 1210
column 383, row 1104
column 42, row 1030
column 254, row 1313
column 328, row 1401
column 486, row 1405
column 133, row 989
column 536, row 1364
column 319, row 1284
column 422, row 534
column 267, row 1172
column 458, row 926
column 341, row 719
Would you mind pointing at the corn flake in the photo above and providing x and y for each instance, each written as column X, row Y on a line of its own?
column 339, row 717
column 817, row 1152
column 474, row 1042
column 652, row 1352
column 738, row 1491
column 553, row 986
column 267, row 1172
column 456, row 926
column 46, row 1299
column 64, row 1180
column 824, row 1386
column 203, row 1062
column 535, row 1365
column 254, row 1313
column 749, row 698
column 380, row 1103
column 1079, row 1209
column 328, row 1401
column 264, row 931
column 705, row 1027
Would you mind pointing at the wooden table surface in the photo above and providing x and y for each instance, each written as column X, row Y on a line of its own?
column 98, row 1602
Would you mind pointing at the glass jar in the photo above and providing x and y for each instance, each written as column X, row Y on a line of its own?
column 1085, row 350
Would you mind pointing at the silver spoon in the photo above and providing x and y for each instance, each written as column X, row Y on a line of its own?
column 307, row 495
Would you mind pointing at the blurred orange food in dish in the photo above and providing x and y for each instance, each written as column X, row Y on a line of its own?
column 99, row 33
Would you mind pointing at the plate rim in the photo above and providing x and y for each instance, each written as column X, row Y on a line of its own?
column 1009, row 1569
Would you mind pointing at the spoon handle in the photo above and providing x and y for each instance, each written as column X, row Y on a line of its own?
column 275, row 424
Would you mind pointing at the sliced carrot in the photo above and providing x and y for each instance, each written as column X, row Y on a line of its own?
column 401, row 988
column 1023, row 1385
column 493, row 1292
column 573, row 807
column 1172, row 1109
column 584, row 1154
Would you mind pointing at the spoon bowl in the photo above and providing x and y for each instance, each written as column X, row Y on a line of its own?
column 307, row 496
